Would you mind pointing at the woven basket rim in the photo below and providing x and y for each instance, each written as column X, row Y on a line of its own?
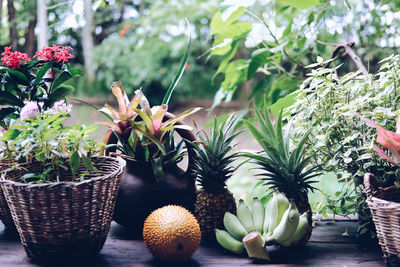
column 101, row 176
column 384, row 204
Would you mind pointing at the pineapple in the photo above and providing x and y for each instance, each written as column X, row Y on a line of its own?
column 212, row 169
column 284, row 168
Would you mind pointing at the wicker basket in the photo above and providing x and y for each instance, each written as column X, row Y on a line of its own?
column 5, row 214
column 385, row 208
column 65, row 219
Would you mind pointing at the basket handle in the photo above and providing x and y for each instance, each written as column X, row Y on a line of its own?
column 368, row 185
column 186, row 135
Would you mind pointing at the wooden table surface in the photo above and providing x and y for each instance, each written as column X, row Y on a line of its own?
column 328, row 246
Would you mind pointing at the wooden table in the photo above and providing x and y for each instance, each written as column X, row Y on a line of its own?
column 327, row 247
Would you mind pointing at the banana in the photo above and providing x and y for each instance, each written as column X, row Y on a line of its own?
column 301, row 228
column 228, row 242
column 287, row 227
column 273, row 214
column 267, row 218
column 234, row 226
column 283, row 204
column 245, row 217
column 258, row 214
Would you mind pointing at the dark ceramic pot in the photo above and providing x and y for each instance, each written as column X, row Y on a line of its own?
column 139, row 193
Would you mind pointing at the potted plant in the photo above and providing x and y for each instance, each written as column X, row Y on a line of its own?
column 340, row 144
column 143, row 136
column 60, row 196
column 41, row 79
column 285, row 166
column 384, row 202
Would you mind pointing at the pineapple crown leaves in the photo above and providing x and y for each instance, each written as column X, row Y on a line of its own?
column 283, row 168
column 213, row 158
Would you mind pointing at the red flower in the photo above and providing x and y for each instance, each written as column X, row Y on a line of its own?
column 13, row 59
column 55, row 53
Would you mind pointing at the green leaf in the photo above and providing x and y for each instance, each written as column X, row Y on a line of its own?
column 288, row 29
column 234, row 31
column 258, row 59
column 60, row 80
column 74, row 161
column 284, row 103
column 160, row 146
column 178, row 75
column 42, row 71
column 19, row 75
column 87, row 162
column 74, row 71
column 11, row 134
column 7, row 98
column 4, row 112
column 147, row 120
column 157, row 165
column 224, row 63
column 217, row 25
column 61, row 92
column 300, row 3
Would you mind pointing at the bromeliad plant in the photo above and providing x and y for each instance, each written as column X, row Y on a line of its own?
column 141, row 133
column 144, row 134
column 388, row 139
column 43, row 139
column 41, row 79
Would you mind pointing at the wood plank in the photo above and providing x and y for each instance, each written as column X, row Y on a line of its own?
column 327, row 247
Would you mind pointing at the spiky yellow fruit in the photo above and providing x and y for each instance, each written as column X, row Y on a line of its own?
column 172, row 234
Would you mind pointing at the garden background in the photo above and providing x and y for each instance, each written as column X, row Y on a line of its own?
column 242, row 52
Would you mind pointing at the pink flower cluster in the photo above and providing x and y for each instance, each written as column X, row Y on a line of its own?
column 58, row 107
column 54, row 53
column 13, row 59
column 30, row 110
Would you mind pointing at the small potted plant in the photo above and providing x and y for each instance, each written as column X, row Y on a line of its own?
column 60, row 196
column 41, row 79
column 384, row 201
column 144, row 138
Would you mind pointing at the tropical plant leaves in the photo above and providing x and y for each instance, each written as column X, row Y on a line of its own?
column 178, row 75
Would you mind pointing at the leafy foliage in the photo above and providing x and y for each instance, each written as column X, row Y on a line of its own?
column 341, row 142
column 46, row 141
column 270, row 43
column 30, row 83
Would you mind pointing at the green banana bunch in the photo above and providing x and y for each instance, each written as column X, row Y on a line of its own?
column 228, row 242
column 245, row 217
column 278, row 222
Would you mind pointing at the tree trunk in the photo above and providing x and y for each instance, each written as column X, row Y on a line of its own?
column 87, row 40
column 1, row 12
column 30, row 38
column 13, row 25
column 43, row 28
